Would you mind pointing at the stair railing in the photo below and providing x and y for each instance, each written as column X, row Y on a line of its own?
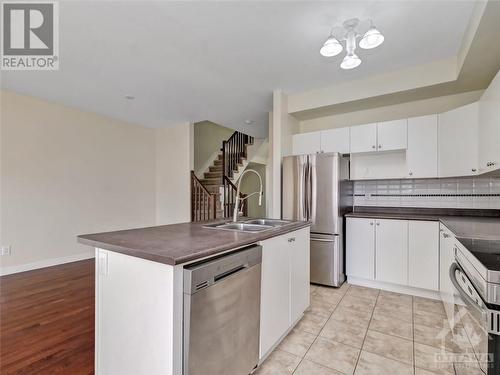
column 203, row 203
column 233, row 150
column 229, row 196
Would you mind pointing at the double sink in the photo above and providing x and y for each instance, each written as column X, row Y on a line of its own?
column 252, row 225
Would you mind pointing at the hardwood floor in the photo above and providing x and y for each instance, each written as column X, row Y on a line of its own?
column 47, row 321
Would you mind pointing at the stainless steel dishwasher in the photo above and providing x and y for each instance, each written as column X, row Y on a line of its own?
column 222, row 314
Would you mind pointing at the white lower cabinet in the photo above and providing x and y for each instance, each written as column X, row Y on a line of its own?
column 299, row 274
column 423, row 254
column 391, row 251
column 360, row 248
column 284, row 285
column 449, row 295
column 400, row 252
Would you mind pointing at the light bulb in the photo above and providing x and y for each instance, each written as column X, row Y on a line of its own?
column 331, row 47
column 372, row 38
column 350, row 61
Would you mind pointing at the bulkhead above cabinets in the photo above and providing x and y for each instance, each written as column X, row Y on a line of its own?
column 464, row 141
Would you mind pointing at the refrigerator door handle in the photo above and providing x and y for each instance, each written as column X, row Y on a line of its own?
column 322, row 240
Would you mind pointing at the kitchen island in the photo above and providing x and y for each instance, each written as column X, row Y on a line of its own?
column 139, row 289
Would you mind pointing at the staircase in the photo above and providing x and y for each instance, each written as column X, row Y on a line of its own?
column 214, row 195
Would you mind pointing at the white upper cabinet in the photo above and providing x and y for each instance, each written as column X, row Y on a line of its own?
column 335, row 140
column 422, row 152
column 458, row 142
column 364, row 138
column 382, row 136
column 489, row 127
column 392, row 135
column 306, row 143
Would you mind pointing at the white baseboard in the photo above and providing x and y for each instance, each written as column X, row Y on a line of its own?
column 45, row 263
column 403, row 289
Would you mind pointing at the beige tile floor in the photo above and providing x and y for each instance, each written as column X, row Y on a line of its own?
column 357, row 330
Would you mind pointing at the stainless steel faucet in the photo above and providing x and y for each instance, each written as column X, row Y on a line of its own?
column 260, row 192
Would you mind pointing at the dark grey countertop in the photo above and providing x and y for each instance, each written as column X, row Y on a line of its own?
column 394, row 215
column 481, row 228
column 180, row 243
column 477, row 224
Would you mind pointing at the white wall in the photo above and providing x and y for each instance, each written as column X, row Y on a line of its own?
column 66, row 172
column 208, row 138
column 282, row 126
column 174, row 161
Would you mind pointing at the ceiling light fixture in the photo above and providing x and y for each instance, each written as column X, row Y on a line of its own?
column 352, row 29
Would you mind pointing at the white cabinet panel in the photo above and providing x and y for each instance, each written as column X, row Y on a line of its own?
column 391, row 251
column 285, row 285
column 422, row 153
column 360, row 248
column 306, row 143
column 378, row 165
column 392, row 135
column 449, row 295
column 458, row 140
column 335, row 140
column 299, row 272
column 364, row 138
column 489, row 127
column 135, row 299
column 423, row 254
column 275, row 292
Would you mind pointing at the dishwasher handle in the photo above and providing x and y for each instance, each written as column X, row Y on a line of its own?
column 232, row 271
column 203, row 274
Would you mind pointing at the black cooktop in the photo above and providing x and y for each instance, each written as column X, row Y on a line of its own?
column 486, row 251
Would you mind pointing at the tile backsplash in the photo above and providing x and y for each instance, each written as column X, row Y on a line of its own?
column 462, row 192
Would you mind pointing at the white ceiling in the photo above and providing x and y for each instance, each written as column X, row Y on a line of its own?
column 220, row 61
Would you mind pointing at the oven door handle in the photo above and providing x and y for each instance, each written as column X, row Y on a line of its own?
column 466, row 298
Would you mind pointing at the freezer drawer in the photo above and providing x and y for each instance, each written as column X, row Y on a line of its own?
column 327, row 261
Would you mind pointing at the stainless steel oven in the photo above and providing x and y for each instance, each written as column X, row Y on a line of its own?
column 475, row 278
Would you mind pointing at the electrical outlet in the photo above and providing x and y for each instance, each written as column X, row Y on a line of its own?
column 6, row 250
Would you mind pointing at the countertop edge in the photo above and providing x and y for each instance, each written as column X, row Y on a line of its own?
column 372, row 215
column 171, row 261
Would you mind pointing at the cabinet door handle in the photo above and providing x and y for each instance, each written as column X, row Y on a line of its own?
column 379, row 146
column 445, row 235
column 373, row 146
column 292, row 239
column 474, row 169
column 371, row 223
column 411, row 173
column 378, row 223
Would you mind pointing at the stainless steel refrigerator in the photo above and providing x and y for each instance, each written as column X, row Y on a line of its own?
column 316, row 187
